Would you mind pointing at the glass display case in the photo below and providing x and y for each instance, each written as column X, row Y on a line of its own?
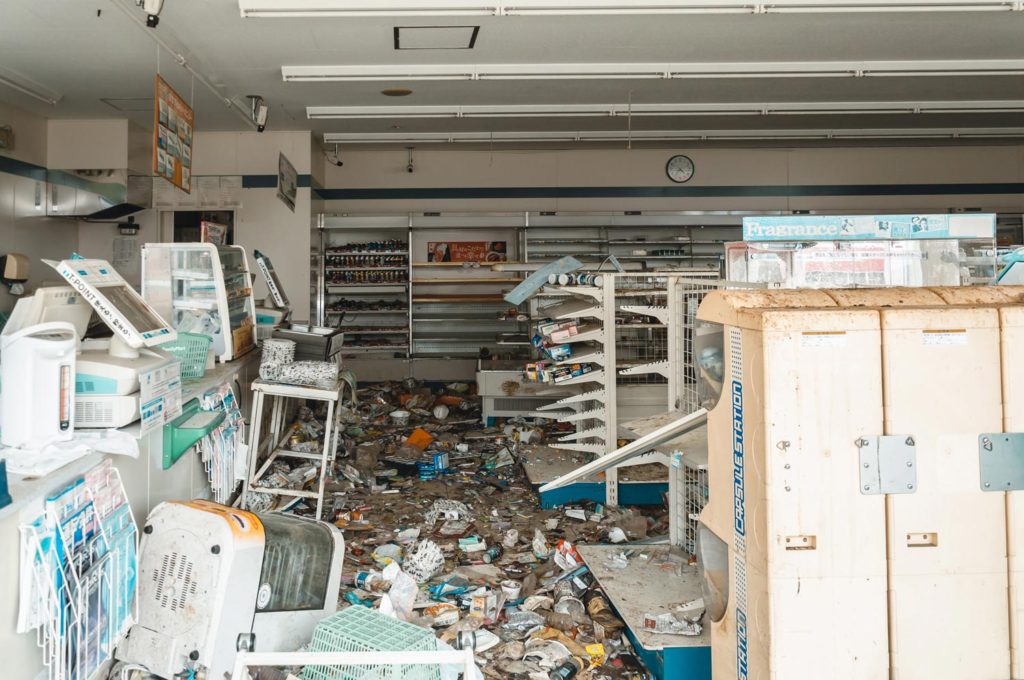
column 203, row 288
column 823, row 251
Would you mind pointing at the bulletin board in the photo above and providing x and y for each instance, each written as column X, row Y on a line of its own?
column 173, row 122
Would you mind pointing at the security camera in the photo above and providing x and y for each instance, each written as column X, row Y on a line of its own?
column 260, row 110
column 410, row 168
column 261, row 117
column 336, row 160
column 152, row 8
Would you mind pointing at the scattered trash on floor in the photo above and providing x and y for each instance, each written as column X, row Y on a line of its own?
column 444, row 533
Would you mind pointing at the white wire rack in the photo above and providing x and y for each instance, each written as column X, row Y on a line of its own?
column 221, row 450
column 641, row 328
column 79, row 565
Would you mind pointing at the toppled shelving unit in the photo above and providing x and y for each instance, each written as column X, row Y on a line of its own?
column 679, row 441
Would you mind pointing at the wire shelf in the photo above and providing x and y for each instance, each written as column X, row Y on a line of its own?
column 79, row 566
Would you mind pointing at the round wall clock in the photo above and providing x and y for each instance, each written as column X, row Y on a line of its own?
column 679, row 169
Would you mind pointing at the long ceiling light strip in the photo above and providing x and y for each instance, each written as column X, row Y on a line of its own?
column 397, row 8
column 668, row 135
column 636, row 70
column 45, row 97
column 613, row 110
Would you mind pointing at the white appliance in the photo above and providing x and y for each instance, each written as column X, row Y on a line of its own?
column 213, row 580
column 106, row 411
column 108, row 369
column 37, row 373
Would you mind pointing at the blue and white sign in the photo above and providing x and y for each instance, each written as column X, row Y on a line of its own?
column 868, row 227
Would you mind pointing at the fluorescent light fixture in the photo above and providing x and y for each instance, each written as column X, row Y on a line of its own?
column 613, row 110
column 25, row 86
column 441, row 8
column 667, row 135
column 632, row 71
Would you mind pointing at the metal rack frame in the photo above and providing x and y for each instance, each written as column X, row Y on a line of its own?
column 527, row 232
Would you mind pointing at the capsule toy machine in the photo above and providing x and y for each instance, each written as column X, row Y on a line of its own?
column 878, row 449
column 788, row 544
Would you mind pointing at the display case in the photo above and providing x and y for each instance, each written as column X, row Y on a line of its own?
column 865, row 251
column 203, row 288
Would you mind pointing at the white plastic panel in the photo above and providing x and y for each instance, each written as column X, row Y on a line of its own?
column 947, row 541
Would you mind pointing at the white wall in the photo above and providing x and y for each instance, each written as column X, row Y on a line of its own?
column 24, row 228
column 264, row 222
column 87, row 144
column 435, row 167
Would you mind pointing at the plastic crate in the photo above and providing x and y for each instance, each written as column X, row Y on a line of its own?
column 191, row 350
column 359, row 629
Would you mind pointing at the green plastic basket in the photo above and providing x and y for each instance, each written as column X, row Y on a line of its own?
column 191, row 350
column 358, row 629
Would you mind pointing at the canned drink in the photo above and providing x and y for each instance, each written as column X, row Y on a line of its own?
column 552, row 278
column 564, row 279
column 563, row 589
column 365, row 579
column 567, row 669
column 466, row 639
column 491, row 554
column 441, row 461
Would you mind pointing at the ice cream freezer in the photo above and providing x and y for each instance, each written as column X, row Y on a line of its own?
column 865, row 464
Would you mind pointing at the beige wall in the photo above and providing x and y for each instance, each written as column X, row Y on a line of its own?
column 23, row 227
column 87, row 144
column 263, row 221
column 436, row 167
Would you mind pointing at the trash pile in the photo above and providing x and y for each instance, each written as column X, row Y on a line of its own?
column 442, row 529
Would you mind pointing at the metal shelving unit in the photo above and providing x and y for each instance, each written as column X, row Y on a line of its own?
column 593, row 409
column 366, row 290
column 470, row 295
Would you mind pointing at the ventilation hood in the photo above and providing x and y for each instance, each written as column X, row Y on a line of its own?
column 97, row 195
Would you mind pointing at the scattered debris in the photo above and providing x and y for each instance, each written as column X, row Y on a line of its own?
column 443, row 531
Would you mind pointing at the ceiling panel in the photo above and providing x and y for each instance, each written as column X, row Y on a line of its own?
column 86, row 56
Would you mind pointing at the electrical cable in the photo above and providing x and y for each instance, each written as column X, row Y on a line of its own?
column 132, row 13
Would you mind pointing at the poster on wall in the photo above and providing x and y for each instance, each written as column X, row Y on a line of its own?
column 467, row 251
column 173, row 122
column 287, row 182
column 211, row 232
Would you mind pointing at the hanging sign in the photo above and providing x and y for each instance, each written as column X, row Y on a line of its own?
column 173, row 122
column 868, row 227
column 287, row 181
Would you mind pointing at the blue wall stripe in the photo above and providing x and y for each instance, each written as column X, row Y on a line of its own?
column 270, row 181
column 674, row 192
column 22, row 169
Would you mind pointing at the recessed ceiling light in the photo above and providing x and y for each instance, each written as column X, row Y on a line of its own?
column 396, row 92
